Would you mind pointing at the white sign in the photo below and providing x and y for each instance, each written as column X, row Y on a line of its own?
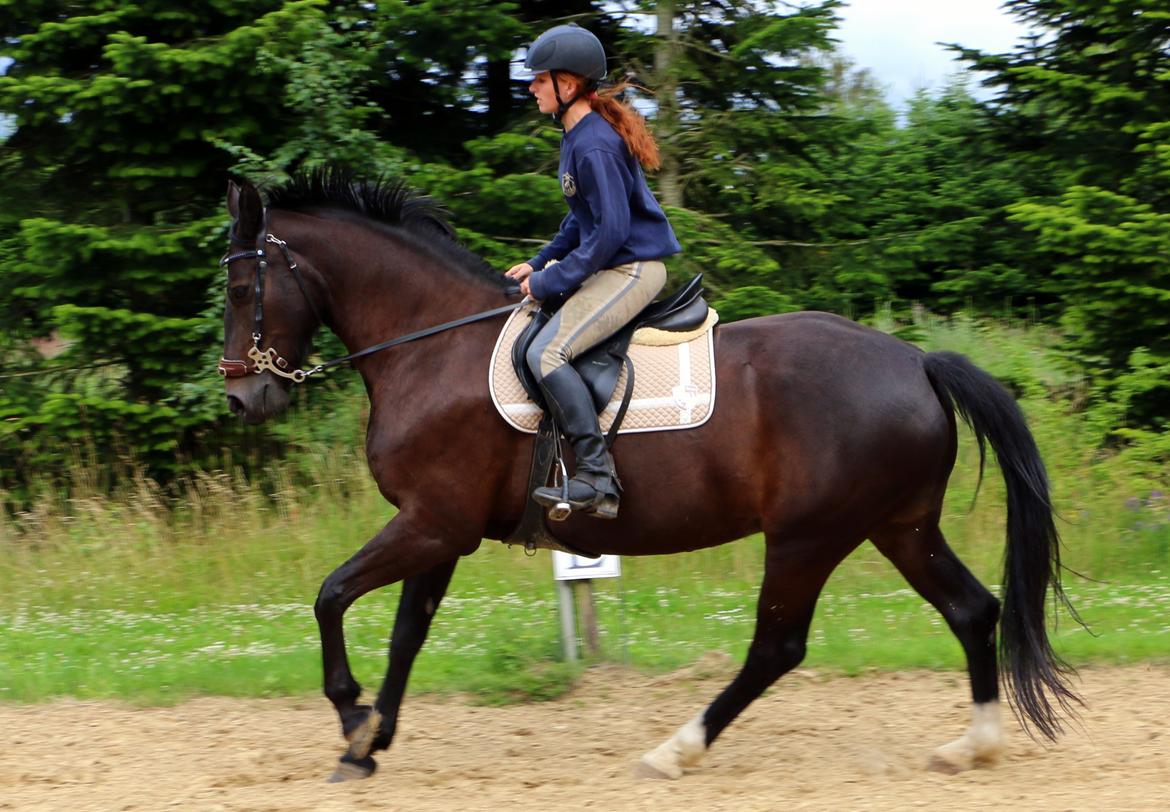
column 569, row 567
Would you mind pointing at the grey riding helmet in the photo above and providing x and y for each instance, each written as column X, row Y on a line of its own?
column 568, row 48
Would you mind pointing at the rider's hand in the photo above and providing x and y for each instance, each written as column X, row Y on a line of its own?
column 527, row 291
column 519, row 272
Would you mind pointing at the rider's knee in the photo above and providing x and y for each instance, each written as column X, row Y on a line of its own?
column 543, row 360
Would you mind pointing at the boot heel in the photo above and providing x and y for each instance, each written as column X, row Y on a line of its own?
column 607, row 508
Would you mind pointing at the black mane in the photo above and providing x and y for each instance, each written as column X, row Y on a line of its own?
column 384, row 200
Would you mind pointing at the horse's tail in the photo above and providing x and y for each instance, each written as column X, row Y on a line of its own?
column 1032, row 672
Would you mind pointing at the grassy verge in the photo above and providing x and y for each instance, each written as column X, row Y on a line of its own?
column 165, row 627
column 496, row 636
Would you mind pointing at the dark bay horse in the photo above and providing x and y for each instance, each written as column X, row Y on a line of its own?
column 826, row 434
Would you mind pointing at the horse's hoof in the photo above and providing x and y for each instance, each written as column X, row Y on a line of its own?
column 353, row 769
column 361, row 736
column 939, row 764
column 963, row 754
column 645, row 769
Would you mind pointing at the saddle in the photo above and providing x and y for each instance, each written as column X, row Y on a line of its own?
column 600, row 368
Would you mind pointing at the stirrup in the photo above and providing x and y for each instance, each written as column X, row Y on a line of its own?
column 600, row 503
column 560, row 506
column 559, row 509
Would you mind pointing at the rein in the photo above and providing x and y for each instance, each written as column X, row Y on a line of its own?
column 270, row 360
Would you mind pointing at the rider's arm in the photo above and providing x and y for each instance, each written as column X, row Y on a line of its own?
column 566, row 239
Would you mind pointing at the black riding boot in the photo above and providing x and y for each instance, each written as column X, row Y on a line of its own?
column 594, row 487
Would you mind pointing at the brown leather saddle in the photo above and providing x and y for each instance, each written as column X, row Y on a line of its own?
column 600, row 368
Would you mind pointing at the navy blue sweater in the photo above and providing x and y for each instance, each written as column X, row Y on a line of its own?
column 613, row 217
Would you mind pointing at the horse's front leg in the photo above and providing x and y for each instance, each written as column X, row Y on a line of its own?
column 421, row 595
column 403, row 549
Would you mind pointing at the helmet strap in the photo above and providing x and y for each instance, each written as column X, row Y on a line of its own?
column 563, row 106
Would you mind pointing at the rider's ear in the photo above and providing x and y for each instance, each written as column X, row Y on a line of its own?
column 250, row 218
column 233, row 200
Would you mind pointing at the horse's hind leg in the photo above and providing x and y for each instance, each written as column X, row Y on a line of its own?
column 794, row 573
column 921, row 554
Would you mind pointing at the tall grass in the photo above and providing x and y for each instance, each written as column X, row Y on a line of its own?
column 133, row 595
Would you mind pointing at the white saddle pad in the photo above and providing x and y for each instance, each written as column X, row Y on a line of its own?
column 674, row 383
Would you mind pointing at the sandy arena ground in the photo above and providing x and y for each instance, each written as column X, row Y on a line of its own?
column 810, row 743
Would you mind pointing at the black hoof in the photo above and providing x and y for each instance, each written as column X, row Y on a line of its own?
column 353, row 769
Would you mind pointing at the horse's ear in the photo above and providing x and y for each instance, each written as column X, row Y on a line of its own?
column 233, row 200
column 250, row 212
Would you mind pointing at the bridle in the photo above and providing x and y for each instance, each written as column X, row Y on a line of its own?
column 266, row 360
column 270, row 360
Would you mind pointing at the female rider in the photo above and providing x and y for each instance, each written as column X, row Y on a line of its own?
column 608, row 250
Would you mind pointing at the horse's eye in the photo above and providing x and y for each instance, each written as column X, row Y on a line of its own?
column 240, row 292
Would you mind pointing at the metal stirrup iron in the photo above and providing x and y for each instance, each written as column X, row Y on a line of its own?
column 562, row 509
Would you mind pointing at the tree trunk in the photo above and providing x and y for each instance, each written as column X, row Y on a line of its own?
column 666, row 121
column 499, row 93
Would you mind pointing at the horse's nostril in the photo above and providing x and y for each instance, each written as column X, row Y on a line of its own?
column 235, row 404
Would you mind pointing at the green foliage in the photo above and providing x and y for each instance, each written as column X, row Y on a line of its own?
column 932, row 223
column 1108, row 252
column 745, row 108
column 716, row 249
column 123, row 120
column 1088, row 100
column 1089, row 92
column 325, row 100
column 752, row 300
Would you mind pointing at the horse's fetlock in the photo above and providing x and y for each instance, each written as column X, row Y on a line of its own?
column 381, row 741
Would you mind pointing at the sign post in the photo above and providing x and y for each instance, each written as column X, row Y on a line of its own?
column 579, row 571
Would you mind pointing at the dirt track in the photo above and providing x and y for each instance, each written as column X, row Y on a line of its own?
column 810, row 743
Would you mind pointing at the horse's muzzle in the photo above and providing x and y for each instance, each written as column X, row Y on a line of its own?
column 256, row 398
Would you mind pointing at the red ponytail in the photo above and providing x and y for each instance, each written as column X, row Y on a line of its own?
column 628, row 122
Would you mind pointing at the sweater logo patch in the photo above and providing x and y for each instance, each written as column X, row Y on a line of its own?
column 568, row 185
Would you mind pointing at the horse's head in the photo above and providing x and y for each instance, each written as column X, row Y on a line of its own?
column 269, row 317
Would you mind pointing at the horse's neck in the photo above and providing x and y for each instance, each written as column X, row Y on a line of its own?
column 382, row 288
column 379, row 288
column 387, row 290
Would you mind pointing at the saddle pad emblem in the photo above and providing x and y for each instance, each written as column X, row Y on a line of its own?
column 674, row 385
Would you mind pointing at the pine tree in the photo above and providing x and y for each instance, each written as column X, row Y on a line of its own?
column 1089, row 97
column 121, row 112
